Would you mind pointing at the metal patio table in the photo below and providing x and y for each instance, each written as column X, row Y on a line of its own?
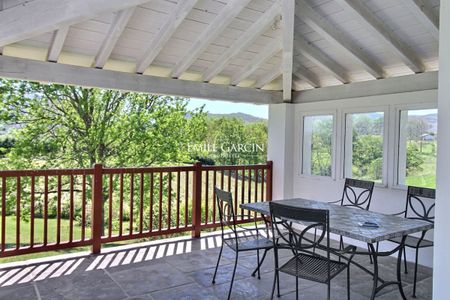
column 346, row 221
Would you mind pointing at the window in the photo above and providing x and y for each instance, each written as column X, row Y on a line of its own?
column 417, row 148
column 318, row 135
column 364, row 146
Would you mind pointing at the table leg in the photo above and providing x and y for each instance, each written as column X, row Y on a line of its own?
column 399, row 267
column 375, row 270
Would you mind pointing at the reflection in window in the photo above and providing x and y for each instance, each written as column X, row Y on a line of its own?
column 364, row 146
column 317, row 157
column 417, row 148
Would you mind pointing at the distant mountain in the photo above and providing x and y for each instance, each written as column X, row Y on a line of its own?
column 241, row 116
column 431, row 119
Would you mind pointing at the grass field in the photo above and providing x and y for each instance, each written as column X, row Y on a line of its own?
column 426, row 177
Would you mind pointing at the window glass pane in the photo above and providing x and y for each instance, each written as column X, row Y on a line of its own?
column 417, row 148
column 317, row 145
column 364, row 146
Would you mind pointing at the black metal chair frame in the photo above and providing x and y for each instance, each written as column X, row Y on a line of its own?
column 303, row 248
column 359, row 200
column 416, row 209
column 229, row 219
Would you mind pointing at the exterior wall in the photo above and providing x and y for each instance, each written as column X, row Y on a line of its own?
column 441, row 270
column 387, row 199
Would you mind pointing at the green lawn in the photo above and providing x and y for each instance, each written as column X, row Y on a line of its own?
column 426, row 177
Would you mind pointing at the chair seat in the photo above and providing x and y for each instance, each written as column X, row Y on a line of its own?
column 247, row 243
column 412, row 242
column 314, row 268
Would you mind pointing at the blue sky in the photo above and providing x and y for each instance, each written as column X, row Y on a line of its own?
column 224, row 107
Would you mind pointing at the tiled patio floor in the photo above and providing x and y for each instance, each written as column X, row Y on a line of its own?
column 178, row 269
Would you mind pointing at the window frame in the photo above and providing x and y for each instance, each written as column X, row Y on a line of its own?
column 302, row 117
column 397, row 109
column 361, row 110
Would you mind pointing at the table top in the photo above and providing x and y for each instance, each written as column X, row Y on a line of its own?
column 346, row 220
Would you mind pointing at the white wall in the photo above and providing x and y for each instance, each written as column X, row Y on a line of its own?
column 441, row 270
column 388, row 199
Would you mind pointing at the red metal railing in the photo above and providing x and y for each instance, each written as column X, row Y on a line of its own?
column 47, row 210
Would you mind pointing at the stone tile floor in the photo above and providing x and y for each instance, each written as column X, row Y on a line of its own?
column 179, row 268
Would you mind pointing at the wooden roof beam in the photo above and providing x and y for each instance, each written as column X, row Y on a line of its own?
column 423, row 11
column 306, row 75
column 321, row 59
column 384, row 33
column 221, row 21
column 337, row 38
column 257, row 61
column 165, row 33
column 112, row 37
column 36, row 17
column 288, row 20
column 269, row 77
column 57, row 43
column 246, row 39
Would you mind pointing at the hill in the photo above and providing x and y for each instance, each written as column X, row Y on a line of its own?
column 242, row 116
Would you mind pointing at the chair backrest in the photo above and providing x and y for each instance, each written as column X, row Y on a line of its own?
column 357, row 193
column 282, row 220
column 420, row 204
column 226, row 211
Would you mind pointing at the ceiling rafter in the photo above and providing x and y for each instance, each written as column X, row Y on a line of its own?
column 112, row 37
column 337, row 38
column 384, row 33
column 269, row 77
column 257, row 61
column 306, row 75
column 287, row 22
column 221, row 21
column 320, row 59
column 165, row 33
column 57, row 43
column 423, row 11
column 247, row 38
column 20, row 22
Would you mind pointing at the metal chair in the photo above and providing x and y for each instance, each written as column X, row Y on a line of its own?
column 305, row 263
column 356, row 193
column 238, row 243
column 416, row 208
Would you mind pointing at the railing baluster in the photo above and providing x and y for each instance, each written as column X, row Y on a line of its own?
column 32, row 213
column 160, row 200
column 18, row 195
column 45, row 210
column 151, row 202
column 269, row 181
column 83, row 208
column 206, row 196
column 214, row 195
column 178, row 199
column 71, row 210
column 111, row 188
column 262, row 184
column 249, row 192
column 256, row 184
column 141, row 206
column 3, row 214
column 186, row 199
column 169, row 202
column 121, row 206
column 58, row 213
column 242, row 189
column 235, row 191
column 131, row 202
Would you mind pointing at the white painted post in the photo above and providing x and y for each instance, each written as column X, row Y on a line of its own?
column 441, row 265
column 281, row 149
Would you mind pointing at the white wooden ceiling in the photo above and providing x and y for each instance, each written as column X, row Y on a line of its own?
column 240, row 42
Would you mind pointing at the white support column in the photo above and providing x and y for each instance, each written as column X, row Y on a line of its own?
column 281, row 149
column 441, row 264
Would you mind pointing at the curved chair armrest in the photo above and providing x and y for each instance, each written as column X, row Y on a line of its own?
column 398, row 214
column 333, row 202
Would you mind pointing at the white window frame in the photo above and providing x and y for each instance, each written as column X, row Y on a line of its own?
column 369, row 109
column 301, row 117
column 396, row 111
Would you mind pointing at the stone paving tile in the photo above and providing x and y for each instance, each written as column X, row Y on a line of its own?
column 149, row 278
column 224, row 272
column 88, row 285
column 23, row 292
column 195, row 260
column 186, row 292
column 243, row 289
